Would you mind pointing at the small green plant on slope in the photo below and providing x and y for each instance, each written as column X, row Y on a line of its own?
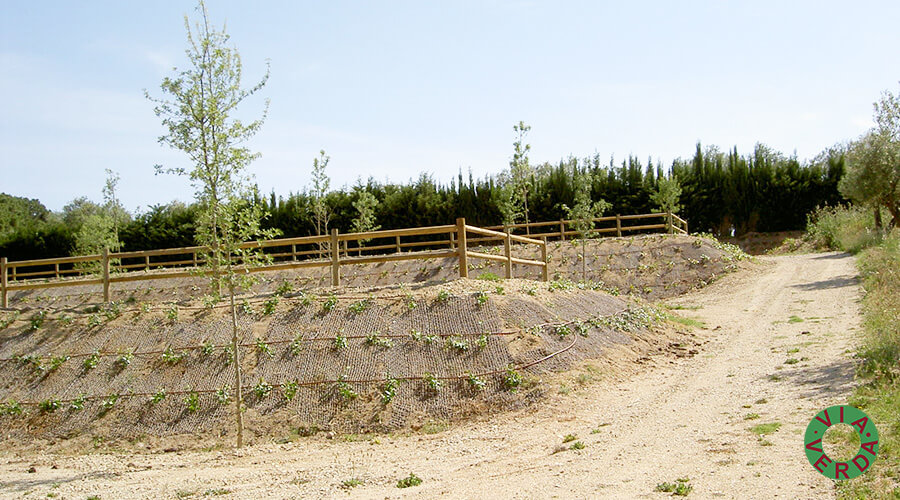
column 389, row 389
column 475, row 382
column 37, row 320
column 289, row 389
column 457, row 344
column 192, row 402
column 512, row 379
column 329, row 303
column 170, row 357
column 77, row 404
column 284, row 288
column 172, row 313
column 11, row 407
column 262, row 388
column 296, row 346
column 373, row 339
column 91, row 361
column 344, row 390
column 270, row 305
column 340, row 341
column 359, row 306
column 263, row 348
column 158, row 397
column 432, row 383
column 49, row 405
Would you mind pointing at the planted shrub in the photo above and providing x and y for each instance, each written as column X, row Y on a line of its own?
column 159, row 396
column 374, row 340
column 192, row 402
column 481, row 298
column 263, row 347
column 284, row 288
column 170, row 357
column 91, row 361
column 223, row 394
column 109, row 403
column 444, row 296
column 270, row 305
column 476, row 383
column 432, row 382
column 11, row 407
column 457, row 344
column 78, row 403
column 172, row 312
column 124, row 359
column 296, row 346
column 49, row 405
column 389, row 389
column 512, row 379
column 344, row 389
column 262, row 388
column 340, row 341
column 329, row 303
column 37, row 320
column 359, row 306
column 289, row 389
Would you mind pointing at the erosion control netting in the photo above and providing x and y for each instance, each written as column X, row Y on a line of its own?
column 650, row 266
column 463, row 337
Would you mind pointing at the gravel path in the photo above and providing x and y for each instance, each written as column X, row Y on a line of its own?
column 677, row 418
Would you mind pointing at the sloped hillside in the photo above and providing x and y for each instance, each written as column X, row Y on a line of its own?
column 354, row 359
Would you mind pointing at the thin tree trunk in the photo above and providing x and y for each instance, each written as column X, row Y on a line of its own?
column 878, row 217
column 583, row 261
column 239, row 395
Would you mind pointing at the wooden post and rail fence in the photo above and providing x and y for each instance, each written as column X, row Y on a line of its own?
column 119, row 267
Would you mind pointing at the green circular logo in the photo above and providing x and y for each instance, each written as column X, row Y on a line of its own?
column 868, row 442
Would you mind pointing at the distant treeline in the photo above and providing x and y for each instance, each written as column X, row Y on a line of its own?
column 722, row 193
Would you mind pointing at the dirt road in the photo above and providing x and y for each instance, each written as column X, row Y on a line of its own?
column 679, row 418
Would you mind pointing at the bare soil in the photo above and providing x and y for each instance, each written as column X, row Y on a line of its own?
column 674, row 416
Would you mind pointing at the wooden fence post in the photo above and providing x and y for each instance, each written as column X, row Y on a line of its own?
column 562, row 230
column 335, row 258
column 3, row 302
column 294, row 252
column 669, row 228
column 398, row 245
column 146, row 263
column 685, row 227
column 452, row 242
column 508, row 253
column 461, row 249
column 545, row 271
column 618, row 225
column 105, row 265
column 56, row 270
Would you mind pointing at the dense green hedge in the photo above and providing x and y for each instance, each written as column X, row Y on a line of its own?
column 722, row 192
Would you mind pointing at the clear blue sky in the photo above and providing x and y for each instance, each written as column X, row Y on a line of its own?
column 392, row 89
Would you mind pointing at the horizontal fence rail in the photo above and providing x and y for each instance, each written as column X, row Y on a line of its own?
column 617, row 225
column 333, row 250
